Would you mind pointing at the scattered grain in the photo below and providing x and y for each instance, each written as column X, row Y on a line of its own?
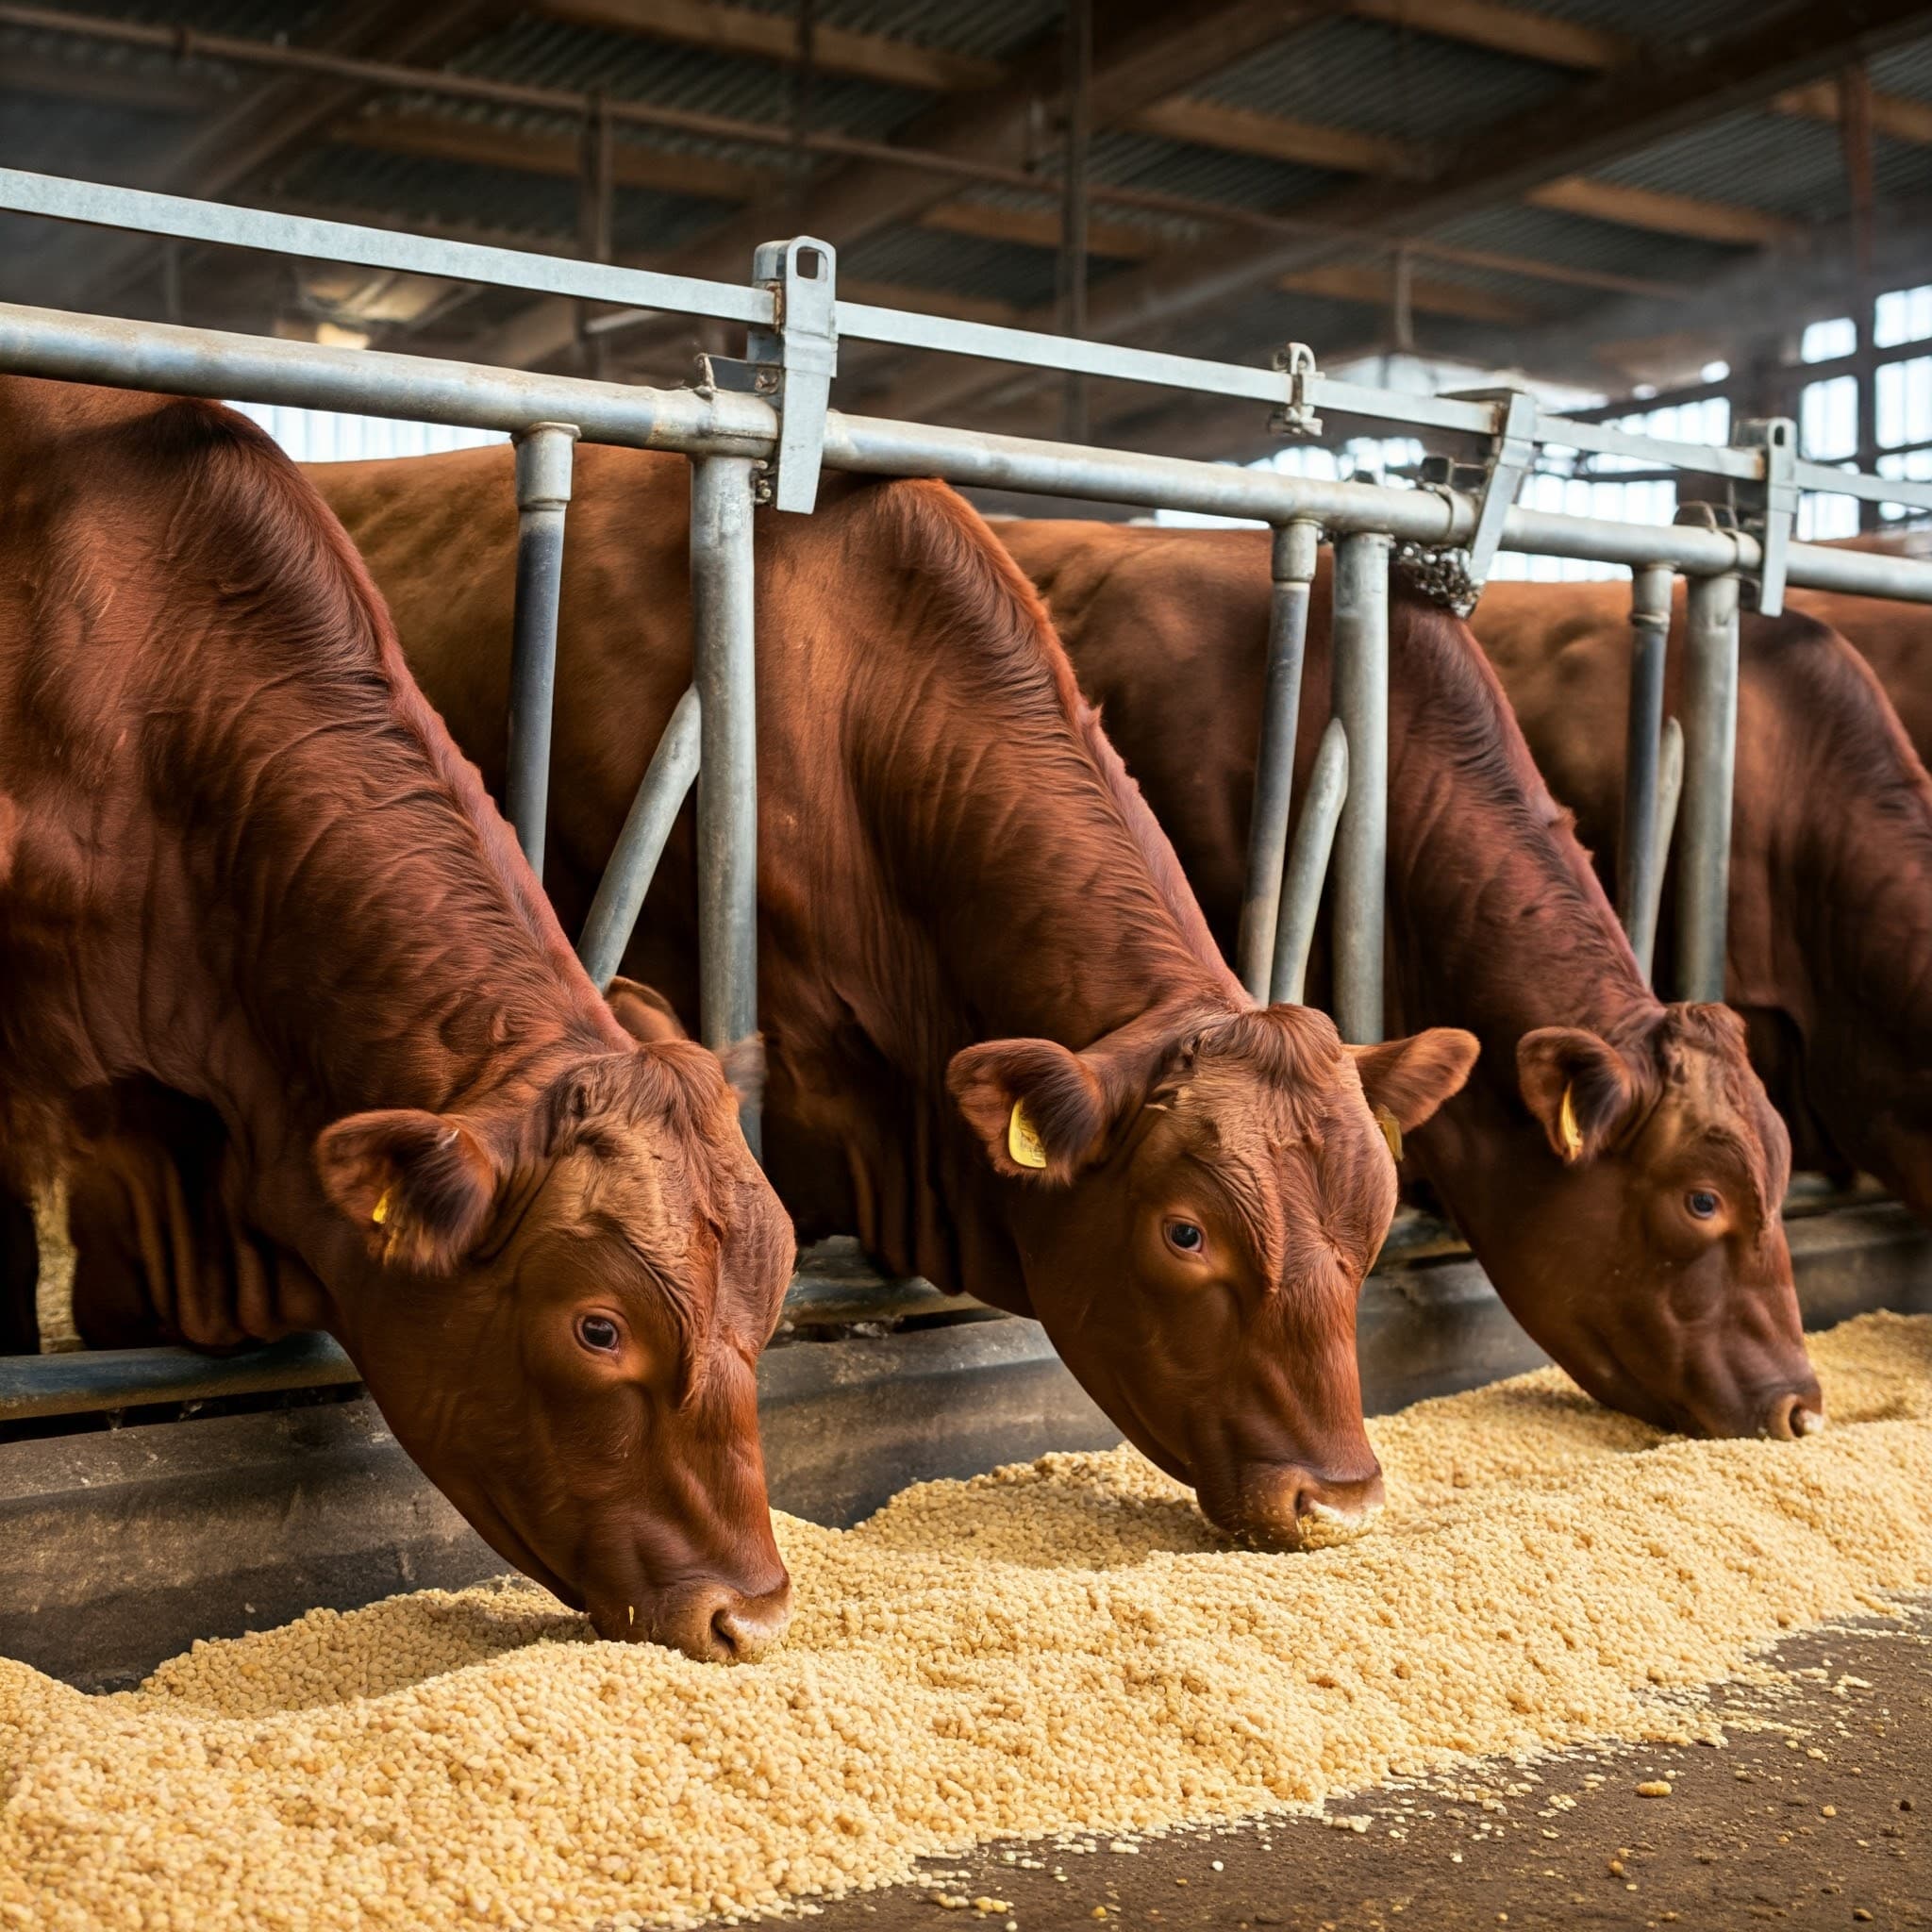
column 1101, row 1663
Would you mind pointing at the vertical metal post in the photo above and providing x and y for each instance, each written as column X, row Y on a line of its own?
column 1709, row 714
column 1281, row 698
column 1361, row 843
column 543, row 466
column 1638, row 856
column 723, row 671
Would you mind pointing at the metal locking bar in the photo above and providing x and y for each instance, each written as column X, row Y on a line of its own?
column 1511, row 454
column 793, row 361
column 1770, row 506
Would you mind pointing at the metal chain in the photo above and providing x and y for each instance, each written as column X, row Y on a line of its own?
column 1440, row 574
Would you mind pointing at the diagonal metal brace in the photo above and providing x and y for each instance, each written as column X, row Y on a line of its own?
column 1511, row 453
column 1770, row 506
column 795, row 360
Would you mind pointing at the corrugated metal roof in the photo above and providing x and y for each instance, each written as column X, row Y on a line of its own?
column 1576, row 242
column 1905, row 70
column 964, row 264
column 1140, row 160
column 1773, row 161
column 1374, row 80
column 457, row 194
column 548, row 53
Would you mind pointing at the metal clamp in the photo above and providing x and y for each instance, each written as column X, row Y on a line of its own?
column 1511, row 453
column 793, row 361
column 1771, row 503
column 1296, row 416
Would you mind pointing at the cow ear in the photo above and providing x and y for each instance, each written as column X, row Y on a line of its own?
column 420, row 1186
column 1037, row 1107
column 1577, row 1086
column 644, row 1012
column 1410, row 1078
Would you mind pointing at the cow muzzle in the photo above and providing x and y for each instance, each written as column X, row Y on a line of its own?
column 710, row 1622
column 1284, row 1506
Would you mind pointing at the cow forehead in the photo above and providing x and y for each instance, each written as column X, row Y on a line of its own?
column 1299, row 1162
column 1714, row 1108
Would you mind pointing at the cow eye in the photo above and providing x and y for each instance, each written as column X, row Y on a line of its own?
column 1701, row 1202
column 598, row 1333
column 1186, row 1236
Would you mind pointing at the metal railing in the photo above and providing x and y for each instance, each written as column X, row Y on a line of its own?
column 762, row 429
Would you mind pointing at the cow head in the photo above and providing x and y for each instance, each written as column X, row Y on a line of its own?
column 568, row 1307
column 1196, row 1206
column 1650, row 1260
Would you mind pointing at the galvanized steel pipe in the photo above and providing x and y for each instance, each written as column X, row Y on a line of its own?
column 1288, row 635
column 1361, row 652
column 168, row 359
column 724, row 665
column 633, row 862
column 1307, row 865
column 1638, row 859
column 1709, row 716
column 543, row 466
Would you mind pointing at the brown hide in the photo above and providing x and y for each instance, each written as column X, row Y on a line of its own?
column 1829, row 949
column 1496, row 924
column 963, row 905
column 279, row 985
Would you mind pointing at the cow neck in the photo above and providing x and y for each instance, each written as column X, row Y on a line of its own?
column 1500, row 922
column 1006, row 826
column 371, row 936
column 1850, row 828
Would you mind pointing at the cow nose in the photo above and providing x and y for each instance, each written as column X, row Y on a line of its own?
column 716, row 1624
column 1794, row 1415
column 1297, row 1508
column 748, row 1627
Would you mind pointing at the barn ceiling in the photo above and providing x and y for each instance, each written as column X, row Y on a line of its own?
column 1568, row 187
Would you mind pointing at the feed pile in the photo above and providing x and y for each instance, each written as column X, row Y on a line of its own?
column 1055, row 1645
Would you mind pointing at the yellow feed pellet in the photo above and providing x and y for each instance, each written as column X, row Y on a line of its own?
column 1058, row 1649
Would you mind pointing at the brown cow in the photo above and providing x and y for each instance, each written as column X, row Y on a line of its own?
column 1639, row 1238
column 964, row 909
column 249, row 890
column 1830, row 927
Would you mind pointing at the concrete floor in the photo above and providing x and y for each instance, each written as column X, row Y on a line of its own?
column 1817, row 1813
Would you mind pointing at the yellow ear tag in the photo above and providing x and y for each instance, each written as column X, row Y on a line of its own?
column 1023, row 1143
column 379, row 1213
column 1392, row 1132
column 1571, row 1133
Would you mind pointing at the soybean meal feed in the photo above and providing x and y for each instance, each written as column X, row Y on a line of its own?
column 1063, row 1644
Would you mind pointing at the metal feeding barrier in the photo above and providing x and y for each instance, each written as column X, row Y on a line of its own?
column 760, row 430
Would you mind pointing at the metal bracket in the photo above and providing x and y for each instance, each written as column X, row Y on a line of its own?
column 1296, row 416
column 1511, row 453
column 793, row 361
column 1771, row 503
